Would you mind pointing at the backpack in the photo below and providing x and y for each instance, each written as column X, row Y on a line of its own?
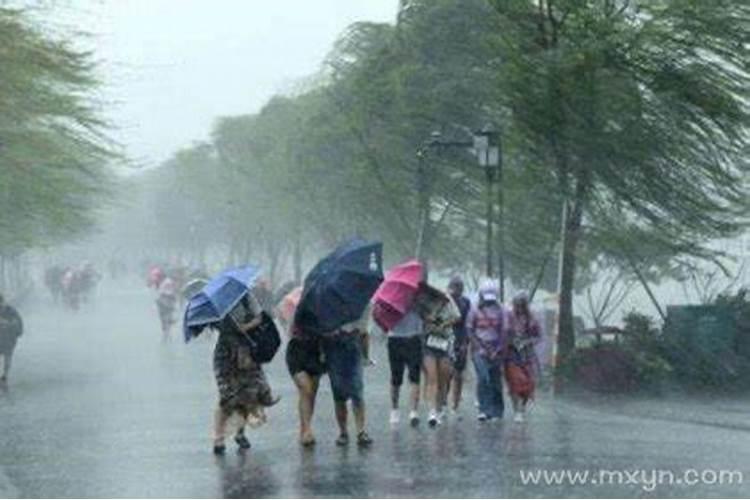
column 264, row 341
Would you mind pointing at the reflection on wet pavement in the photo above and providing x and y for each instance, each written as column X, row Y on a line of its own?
column 100, row 408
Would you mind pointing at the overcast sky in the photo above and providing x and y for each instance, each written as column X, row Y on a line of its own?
column 172, row 66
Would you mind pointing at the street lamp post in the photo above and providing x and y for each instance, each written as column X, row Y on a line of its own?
column 487, row 149
column 486, row 146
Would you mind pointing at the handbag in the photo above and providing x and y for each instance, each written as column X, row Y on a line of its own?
column 264, row 341
column 519, row 380
column 438, row 342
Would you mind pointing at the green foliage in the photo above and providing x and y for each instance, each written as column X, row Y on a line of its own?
column 639, row 111
column 699, row 366
column 632, row 114
column 638, row 363
column 340, row 158
column 53, row 146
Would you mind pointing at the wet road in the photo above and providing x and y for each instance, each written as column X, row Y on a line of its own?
column 100, row 408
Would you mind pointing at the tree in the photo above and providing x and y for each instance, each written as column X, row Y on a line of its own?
column 53, row 142
column 638, row 108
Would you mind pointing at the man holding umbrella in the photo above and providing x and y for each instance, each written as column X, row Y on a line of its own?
column 333, row 306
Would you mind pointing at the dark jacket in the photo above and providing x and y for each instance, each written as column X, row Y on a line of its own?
column 9, row 333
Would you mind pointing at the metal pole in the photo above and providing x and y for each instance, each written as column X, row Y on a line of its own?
column 490, row 222
column 421, row 219
column 500, row 223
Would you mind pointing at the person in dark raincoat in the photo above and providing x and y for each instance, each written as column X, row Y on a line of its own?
column 242, row 384
column 11, row 327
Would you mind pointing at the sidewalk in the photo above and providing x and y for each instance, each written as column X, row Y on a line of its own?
column 717, row 411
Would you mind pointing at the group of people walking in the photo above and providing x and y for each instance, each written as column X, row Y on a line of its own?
column 71, row 285
column 432, row 351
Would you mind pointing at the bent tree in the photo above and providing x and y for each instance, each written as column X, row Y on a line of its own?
column 639, row 110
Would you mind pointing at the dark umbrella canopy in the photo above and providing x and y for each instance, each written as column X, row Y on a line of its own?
column 338, row 289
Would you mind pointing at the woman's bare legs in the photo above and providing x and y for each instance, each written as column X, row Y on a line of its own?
column 307, row 386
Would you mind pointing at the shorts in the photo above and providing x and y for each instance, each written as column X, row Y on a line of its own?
column 460, row 354
column 436, row 352
column 304, row 355
column 405, row 353
column 344, row 362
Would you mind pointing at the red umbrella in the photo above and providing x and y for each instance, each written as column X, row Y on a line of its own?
column 396, row 294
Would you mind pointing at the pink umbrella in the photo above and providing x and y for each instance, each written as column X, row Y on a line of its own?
column 395, row 295
column 289, row 303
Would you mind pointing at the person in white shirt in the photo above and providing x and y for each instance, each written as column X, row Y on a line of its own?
column 405, row 354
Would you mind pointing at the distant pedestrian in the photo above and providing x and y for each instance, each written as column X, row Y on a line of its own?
column 53, row 281
column 242, row 384
column 11, row 327
column 460, row 343
column 262, row 291
column 166, row 303
column 346, row 351
column 522, row 365
column 405, row 354
column 304, row 359
column 155, row 276
column 485, row 325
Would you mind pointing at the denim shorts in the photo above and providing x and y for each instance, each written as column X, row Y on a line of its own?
column 344, row 362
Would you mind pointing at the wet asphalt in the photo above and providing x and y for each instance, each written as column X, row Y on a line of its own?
column 100, row 407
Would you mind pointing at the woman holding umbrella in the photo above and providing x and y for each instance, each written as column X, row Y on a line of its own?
column 242, row 384
column 394, row 312
column 226, row 304
column 333, row 307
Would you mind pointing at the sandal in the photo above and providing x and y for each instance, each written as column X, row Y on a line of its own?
column 364, row 439
column 307, row 441
column 242, row 442
column 342, row 440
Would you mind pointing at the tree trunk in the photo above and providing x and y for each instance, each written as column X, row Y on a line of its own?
column 646, row 287
column 540, row 275
column 571, row 234
column 273, row 257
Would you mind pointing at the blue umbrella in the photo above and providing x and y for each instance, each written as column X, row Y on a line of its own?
column 339, row 288
column 218, row 298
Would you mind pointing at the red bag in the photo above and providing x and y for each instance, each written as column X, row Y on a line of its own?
column 519, row 380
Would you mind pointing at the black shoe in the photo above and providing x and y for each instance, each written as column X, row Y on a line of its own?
column 342, row 440
column 242, row 442
column 364, row 439
column 219, row 449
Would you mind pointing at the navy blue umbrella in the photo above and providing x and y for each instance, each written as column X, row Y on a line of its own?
column 339, row 288
column 218, row 298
